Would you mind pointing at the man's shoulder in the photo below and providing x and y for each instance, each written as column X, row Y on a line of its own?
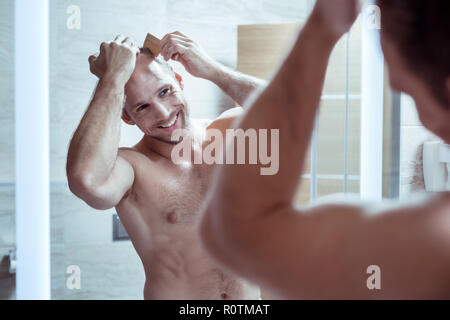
column 129, row 152
column 226, row 119
column 233, row 112
column 134, row 156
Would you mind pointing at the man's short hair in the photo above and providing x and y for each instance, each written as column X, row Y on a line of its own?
column 419, row 29
column 163, row 63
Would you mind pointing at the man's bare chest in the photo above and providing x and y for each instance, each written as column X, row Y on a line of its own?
column 172, row 195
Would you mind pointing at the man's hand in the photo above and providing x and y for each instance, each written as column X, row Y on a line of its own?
column 336, row 16
column 116, row 61
column 196, row 61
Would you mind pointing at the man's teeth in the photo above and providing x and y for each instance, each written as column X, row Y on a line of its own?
column 171, row 123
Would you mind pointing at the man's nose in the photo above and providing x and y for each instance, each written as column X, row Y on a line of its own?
column 161, row 112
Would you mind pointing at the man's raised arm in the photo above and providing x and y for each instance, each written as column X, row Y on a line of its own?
column 251, row 226
column 235, row 84
column 249, row 223
column 96, row 172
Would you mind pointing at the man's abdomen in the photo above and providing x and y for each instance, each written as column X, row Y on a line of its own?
column 180, row 269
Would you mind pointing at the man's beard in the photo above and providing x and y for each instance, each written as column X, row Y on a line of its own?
column 187, row 127
column 173, row 143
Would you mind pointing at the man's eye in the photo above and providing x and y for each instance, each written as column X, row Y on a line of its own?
column 142, row 107
column 164, row 92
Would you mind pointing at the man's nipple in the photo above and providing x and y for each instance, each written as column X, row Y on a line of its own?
column 172, row 217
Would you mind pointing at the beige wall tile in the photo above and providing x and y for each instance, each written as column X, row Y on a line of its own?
column 335, row 80
column 261, row 47
column 331, row 137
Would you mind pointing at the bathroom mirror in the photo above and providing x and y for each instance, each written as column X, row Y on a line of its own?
column 251, row 36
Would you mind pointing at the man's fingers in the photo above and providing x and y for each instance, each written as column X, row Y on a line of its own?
column 174, row 36
column 92, row 58
column 174, row 39
column 180, row 34
column 171, row 41
column 135, row 49
column 174, row 51
column 128, row 41
column 119, row 38
column 167, row 45
column 165, row 51
column 92, row 66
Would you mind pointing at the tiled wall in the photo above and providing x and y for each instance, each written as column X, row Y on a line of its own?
column 6, row 91
column 80, row 235
column 7, row 231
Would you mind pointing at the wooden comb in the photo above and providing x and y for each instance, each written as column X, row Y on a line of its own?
column 153, row 44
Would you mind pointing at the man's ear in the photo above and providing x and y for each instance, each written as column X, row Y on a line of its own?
column 180, row 80
column 127, row 119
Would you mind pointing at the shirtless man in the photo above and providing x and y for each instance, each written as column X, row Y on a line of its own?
column 157, row 201
column 251, row 226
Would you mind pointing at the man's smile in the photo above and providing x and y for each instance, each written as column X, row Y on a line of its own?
column 171, row 124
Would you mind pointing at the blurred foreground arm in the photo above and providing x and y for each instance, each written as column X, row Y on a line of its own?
column 251, row 226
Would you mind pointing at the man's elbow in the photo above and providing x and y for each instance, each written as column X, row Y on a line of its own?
column 79, row 184
column 85, row 189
